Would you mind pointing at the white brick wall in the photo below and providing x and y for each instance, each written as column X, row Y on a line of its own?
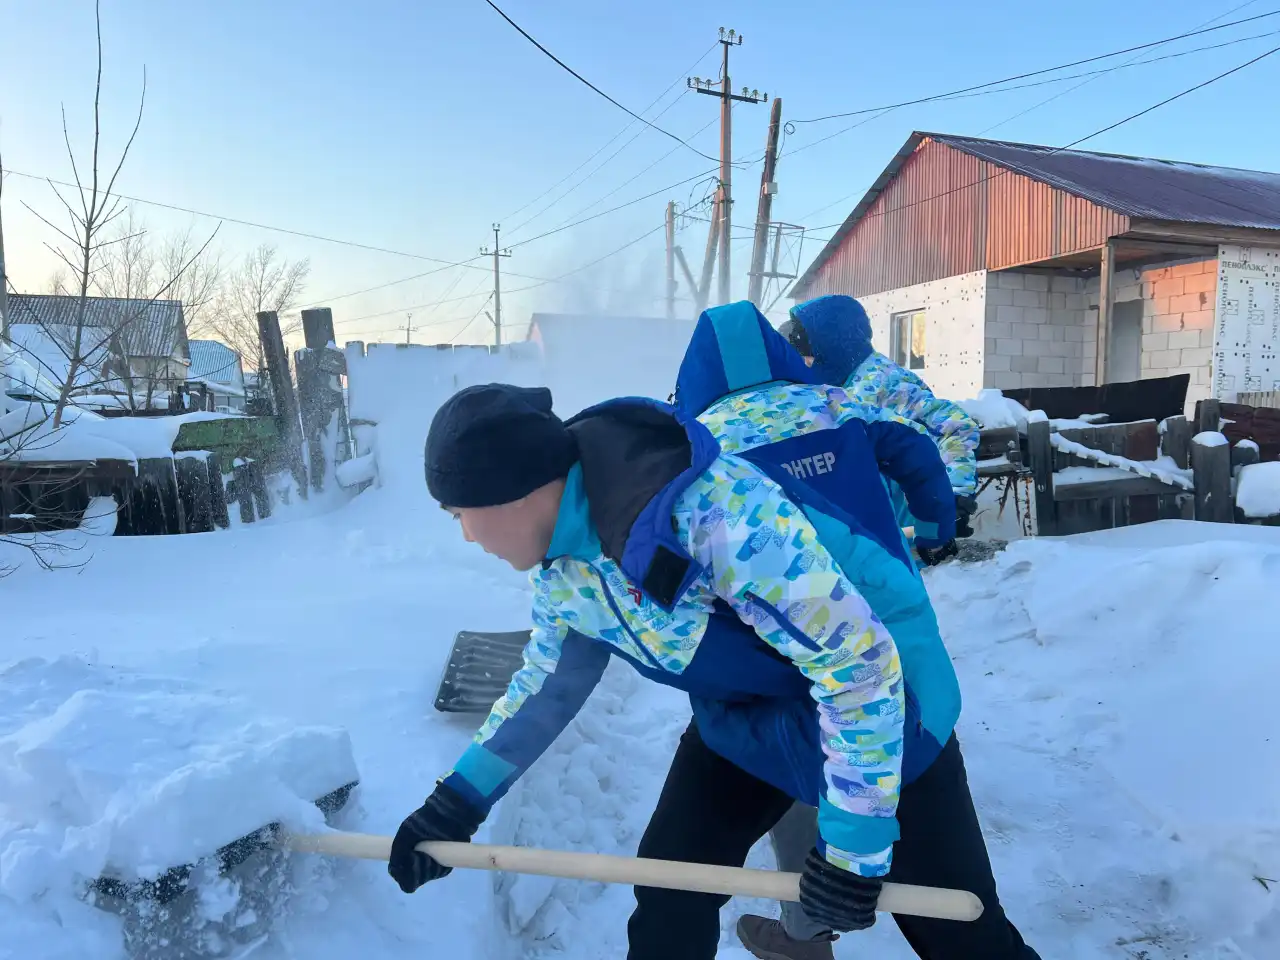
column 1041, row 328
column 1177, row 319
column 1035, row 330
column 954, row 311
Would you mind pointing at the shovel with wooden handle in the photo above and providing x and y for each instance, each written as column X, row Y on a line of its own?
column 896, row 898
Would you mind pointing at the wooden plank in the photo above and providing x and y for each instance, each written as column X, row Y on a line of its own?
column 1040, row 457
column 1210, row 416
column 1177, row 441
column 1212, row 466
column 1109, row 489
column 996, row 442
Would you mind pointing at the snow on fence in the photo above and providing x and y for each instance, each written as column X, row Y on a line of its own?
column 1091, row 477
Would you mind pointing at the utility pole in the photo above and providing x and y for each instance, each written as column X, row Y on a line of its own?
column 671, row 259
column 768, row 187
column 408, row 327
column 727, row 40
column 497, row 252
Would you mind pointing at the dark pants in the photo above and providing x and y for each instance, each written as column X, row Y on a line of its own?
column 710, row 811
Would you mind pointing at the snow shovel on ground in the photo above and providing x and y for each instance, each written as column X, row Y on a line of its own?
column 896, row 898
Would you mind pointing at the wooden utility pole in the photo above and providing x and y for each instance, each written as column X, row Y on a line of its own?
column 709, row 258
column 671, row 259
column 497, row 252
column 768, row 187
column 725, row 193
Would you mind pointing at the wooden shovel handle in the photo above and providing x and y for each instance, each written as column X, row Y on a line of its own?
column 697, row 877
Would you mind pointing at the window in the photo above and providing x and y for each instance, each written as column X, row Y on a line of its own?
column 906, row 340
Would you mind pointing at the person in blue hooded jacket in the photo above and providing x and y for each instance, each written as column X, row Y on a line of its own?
column 761, row 401
column 706, row 573
column 833, row 333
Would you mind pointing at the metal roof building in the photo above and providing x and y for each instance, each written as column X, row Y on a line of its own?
column 147, row 328
column 985, row 263
column 946, row 205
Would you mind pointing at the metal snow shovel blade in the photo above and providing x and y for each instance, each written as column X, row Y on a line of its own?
column 479, row 670
column 896, row 898
column 174, row 882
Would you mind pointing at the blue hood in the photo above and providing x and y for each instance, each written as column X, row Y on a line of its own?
column 732, row 349
column 839, row 333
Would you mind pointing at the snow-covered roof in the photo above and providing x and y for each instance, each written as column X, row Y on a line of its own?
column 146, row 328
column 48, row 350
column 215, row 362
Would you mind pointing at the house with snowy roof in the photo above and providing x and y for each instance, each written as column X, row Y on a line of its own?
column 991, row 264
column 124, row 346
column 221, row 370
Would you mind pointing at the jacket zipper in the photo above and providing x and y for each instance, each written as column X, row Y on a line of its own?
column 608, row 595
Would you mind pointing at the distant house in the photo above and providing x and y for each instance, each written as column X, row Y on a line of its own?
column 134, row 349
column 992, row 264
column 219, row 368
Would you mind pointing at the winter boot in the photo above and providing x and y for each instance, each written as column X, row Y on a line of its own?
column 765, row 938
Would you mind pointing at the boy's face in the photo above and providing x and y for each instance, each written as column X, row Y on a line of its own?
column 518, row 532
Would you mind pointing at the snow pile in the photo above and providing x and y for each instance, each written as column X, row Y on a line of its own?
column 1258, row 490
column 992, row 409
column 104, row 771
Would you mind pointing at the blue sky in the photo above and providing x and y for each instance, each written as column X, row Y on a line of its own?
column 413, row 126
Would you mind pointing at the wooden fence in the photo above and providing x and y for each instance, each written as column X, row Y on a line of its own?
column 1112, row 475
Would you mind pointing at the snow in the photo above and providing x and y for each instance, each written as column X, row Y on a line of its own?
column 1163, row 469
column 1118, row 727
column 1210, row 438
column 1072, row 475
column 108, row 771
column 992, row 409
column 1258, row 490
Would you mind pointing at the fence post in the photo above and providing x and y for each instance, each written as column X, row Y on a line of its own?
column 1210, row 419
column 1177, row 441
column 1245, row 453
column 1211, row 464
column 1040, row 459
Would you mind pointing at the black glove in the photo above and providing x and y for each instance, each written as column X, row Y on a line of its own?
column 932, row 556
column 836, row 898
column 445, row 816
column 965, row 508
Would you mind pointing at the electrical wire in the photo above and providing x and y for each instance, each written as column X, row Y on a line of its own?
column 475, row 316
column 1036, row 73
column 606, row 144
column 579, row 77
column 1097, row 133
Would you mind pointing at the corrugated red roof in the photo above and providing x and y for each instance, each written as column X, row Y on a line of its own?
column 1140, row 187
column 1135, row 187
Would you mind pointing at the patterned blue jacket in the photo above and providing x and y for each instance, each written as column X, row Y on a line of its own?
column 750, row 591
column 839, row 333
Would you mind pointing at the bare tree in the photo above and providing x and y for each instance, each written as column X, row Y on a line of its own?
column 263, row 281
column 98, row 207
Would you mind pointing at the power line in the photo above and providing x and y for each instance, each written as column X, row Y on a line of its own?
column 606, row 144
column 1097, row 133
column 1092, row 75
column 541, row 236
column 558, row 279
column 1037, row 73
column 574, row 73
column 1095, row 75
column 1130, row 61
column 250, row 223
column 613, row 156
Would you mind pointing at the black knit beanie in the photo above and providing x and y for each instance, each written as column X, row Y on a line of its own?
column 495, row 443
